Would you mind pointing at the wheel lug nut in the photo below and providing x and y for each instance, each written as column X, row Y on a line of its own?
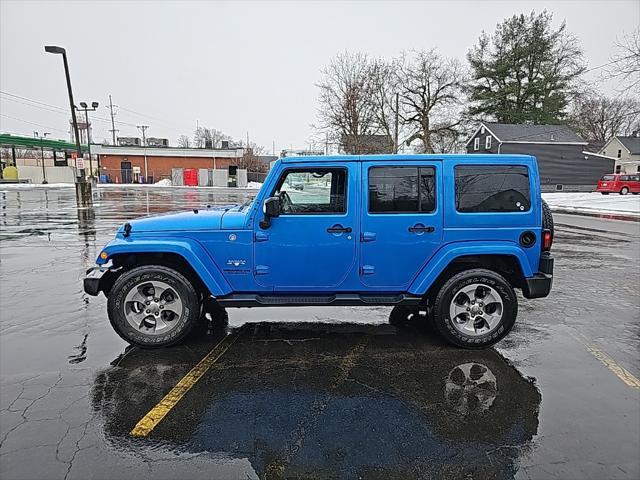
column 147, row 302
column 161, row 306
column 468, row 309
column 157, row 313
column 148, row 311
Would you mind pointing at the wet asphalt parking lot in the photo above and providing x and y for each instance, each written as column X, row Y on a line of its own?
column 317, row 393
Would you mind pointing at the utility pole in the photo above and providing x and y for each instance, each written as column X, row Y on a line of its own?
column 143, row 129
column 395, row 140
column 113, row 125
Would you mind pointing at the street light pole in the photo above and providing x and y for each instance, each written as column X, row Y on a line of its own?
column 44, row 172
column 84, row 108
column 63, row 52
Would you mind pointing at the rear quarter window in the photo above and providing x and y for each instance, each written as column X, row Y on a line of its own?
column 492, row 188
column 608, row 178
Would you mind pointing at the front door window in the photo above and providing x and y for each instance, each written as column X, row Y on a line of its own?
column 313, row 191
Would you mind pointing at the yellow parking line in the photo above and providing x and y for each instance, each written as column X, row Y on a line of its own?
column 157, row 413
column 622, row 373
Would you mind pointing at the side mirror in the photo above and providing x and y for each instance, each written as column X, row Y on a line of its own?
column 270, row 208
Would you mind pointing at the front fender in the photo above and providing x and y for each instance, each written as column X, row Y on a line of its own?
column 187, row 248
column 450, row 252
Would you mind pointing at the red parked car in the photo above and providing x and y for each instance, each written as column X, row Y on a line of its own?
column 619, row 183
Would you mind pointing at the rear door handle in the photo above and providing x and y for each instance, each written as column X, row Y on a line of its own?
column 339, row 229
column 419, row 228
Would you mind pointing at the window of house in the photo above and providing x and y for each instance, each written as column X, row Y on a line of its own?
column 638, row 168
column 618, row 168
column 487, row 142
column 476, row 143
column 492, row 188
column 312, row 191
column 402, row 189
column 619, row 153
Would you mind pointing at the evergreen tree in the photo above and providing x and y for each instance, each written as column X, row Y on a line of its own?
column 526, row 72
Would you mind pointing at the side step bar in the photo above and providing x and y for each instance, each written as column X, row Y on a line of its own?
column 339, row 299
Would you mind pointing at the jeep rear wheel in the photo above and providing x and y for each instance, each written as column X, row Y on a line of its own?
column 153, row 306
column 475, row 309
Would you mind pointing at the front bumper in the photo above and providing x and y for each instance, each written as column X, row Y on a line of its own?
column 92, row 284
column 540, row 284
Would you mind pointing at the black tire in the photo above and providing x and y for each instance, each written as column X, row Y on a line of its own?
column 444, row 323
column 605, row 193
column 189, row 297
column 624, row 190
column 547, row 218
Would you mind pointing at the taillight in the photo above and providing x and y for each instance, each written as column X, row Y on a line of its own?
column 547, row 240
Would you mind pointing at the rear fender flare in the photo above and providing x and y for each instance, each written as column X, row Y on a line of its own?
column 450, row 252
column 188, row 249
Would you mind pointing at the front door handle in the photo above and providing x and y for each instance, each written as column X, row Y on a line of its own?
column 419, row 228
column 339, row 229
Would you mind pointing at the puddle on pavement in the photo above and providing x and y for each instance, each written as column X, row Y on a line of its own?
column 284, row 398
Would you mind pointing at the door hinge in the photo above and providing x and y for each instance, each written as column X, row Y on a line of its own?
column 367, row 270
column 261, row 270
column 367, row 236
column 261, row 236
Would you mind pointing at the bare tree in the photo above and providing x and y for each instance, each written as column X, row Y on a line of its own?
column 598, row 118
column 385, row 89
column 625, row 62
column 184, row 141
column 346, row 110
column 204, row 136
column 250, row 159
column 431, row 92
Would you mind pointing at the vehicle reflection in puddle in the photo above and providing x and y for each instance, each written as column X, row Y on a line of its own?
column 331, row 401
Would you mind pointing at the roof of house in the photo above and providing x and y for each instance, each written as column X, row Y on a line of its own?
column 524, row 133
column 631, row 143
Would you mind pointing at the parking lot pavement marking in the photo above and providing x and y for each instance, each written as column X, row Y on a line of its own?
column 622, row 373
column 171, row 399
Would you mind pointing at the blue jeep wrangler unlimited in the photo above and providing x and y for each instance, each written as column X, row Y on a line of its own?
column 449, row 235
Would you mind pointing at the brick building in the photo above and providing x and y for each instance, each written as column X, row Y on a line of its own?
column 127, row 164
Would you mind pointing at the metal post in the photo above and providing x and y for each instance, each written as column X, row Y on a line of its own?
column 143, row 128
column 395, row 140
column 44, row 172
column 84, row 195
column 86, row 119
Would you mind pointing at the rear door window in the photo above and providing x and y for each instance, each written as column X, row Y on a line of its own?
column 608, row 178
column 402, row 190
column 492, row 188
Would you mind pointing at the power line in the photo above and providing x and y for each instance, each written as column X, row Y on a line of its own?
column 32, row 123
column 60, row 110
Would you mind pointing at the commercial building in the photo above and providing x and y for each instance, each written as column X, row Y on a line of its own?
column 150, row 164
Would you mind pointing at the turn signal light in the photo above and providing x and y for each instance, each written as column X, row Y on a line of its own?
column 103, row 255
column 547, row 240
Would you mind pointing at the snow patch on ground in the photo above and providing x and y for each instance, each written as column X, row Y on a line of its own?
column 594, row 202
column 165, row 182
column 257, row 185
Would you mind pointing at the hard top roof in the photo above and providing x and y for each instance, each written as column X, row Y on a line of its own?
column 407, row 157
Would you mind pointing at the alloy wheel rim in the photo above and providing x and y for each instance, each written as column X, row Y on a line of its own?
column 476, row 309
column 153, row 307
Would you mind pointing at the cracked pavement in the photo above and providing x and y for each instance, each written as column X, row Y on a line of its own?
column 327, row 393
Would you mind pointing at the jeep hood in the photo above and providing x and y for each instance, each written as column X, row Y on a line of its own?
column 205, row 219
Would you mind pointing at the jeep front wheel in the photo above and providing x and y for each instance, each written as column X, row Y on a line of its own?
column 475, row 309
column 153, row 306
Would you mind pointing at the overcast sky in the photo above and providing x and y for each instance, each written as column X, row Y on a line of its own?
column 237, row 66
